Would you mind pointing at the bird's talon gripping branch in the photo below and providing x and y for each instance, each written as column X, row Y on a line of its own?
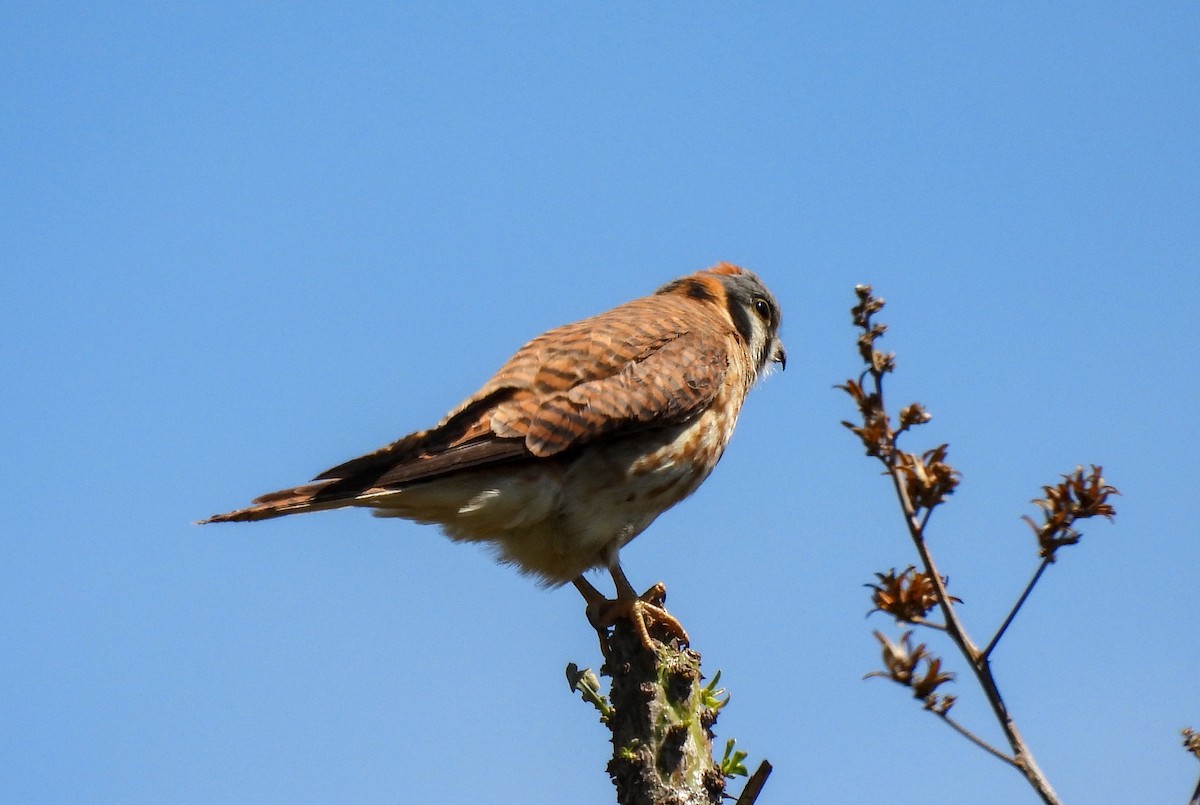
column 656, row 595
column 659, row 615
column 642, row 611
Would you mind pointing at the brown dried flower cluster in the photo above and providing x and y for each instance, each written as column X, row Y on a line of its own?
column 900, row 662
column 913, row 414
column 927, row 478
column 1078, row 497
column 876, row 431
column 1191, row 741
column 907, row 596
column 868, row 305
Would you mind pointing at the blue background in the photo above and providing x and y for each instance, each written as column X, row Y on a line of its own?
column 244, row 243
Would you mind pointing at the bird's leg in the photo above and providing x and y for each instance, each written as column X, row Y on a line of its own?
column 596, row 604
column 640, row 610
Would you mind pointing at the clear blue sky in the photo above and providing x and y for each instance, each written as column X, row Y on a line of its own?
column 242, row 244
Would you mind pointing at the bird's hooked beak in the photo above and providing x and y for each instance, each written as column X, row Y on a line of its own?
column 779, row 355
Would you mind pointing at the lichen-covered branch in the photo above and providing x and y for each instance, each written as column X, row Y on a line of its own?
column 661, row 715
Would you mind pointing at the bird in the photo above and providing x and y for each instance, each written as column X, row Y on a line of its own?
column 579, row 442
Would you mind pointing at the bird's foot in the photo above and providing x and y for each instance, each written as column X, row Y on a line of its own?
column 644, row 611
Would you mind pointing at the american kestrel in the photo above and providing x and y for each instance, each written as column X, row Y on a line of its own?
column 584, row 437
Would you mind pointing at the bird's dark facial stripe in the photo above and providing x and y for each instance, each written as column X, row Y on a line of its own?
column 744, row 294
column 741, row 317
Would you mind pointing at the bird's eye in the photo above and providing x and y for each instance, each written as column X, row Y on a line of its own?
column 762, row 308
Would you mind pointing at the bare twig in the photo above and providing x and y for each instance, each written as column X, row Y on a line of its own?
column 987, row 652
column 954, row 626
column 982, row 744
column 941, row 627
column 1023, row 759
column 754, row 785
column 922, row 483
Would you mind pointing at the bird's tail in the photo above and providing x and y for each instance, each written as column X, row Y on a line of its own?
column 298, row 499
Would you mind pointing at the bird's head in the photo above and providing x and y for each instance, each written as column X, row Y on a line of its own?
column 750, row 305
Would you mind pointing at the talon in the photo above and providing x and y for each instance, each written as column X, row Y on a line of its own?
column 656, row 595
column 641, row 611
column 650, row 603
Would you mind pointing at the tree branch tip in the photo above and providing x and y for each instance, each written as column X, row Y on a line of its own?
column 754, row 785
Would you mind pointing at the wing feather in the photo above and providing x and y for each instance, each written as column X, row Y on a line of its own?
column 670, row 384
